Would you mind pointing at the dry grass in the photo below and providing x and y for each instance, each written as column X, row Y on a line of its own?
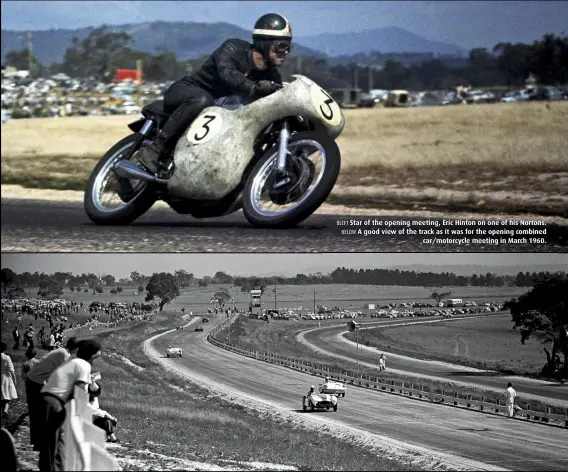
column 489, row 343
column 505, row 157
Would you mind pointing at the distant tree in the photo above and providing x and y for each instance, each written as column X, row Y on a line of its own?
column 113, row 291
column 21, row 61
column 439, row 296
column 86, row 290
column 16, row 292
column 221, row 296
column 94, row 55
column 163, row 286
column 140, row 288
column 543, row 313
column 135, row 277
column 119, row 289
column 99, row 289
column 72, row 288
column 7, row 278
column 109, row 279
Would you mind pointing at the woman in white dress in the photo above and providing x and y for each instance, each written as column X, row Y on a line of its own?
column 8, row 380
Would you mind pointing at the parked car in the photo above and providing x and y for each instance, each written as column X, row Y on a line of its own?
column 368, row 101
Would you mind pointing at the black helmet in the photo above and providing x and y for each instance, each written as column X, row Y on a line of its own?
column 268, row 29
column 272, row 26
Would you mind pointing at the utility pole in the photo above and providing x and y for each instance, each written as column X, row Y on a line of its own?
column 314, row 301
column 275, row 297
column 30, row 53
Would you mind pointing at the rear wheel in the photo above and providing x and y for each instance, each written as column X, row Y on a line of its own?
column 103, row 204
column 304, row 404
column 313, row 166
column 335, row 407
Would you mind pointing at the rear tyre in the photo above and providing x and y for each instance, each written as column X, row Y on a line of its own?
column 335, row 407
column 131, row 210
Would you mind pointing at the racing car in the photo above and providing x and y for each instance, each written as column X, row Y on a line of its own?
column 174, row 352
column 332, row 388
column 199, row 328
column 319, row 401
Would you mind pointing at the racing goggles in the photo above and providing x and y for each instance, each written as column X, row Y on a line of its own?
column 281, row 47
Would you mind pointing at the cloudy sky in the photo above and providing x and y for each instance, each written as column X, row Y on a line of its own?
column 121, row 265
column 463, row 23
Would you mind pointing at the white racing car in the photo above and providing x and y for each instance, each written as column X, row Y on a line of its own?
column 332, row 388
column 174, row 352
column 319, row 401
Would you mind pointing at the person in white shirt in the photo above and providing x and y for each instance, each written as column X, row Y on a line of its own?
column 56, row 393
column 510, row 395
column 101, row 418
column 382, row 362
column 36, row 379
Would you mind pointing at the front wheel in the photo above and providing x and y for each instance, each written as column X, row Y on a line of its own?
column 103, row 202
column 313, row 162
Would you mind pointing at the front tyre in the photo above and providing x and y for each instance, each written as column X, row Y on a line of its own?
column 117, row 212
column 308, row 190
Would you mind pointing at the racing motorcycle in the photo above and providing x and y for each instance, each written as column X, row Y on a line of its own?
column 276, row 158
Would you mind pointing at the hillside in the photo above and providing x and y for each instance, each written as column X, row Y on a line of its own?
column 190, row 40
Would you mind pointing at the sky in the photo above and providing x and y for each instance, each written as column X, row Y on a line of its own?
column 121, row 265
column 463, row 23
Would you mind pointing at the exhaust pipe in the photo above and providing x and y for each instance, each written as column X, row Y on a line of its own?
column 129, row 170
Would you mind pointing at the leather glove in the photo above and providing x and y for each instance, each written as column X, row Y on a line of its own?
column 263, row 88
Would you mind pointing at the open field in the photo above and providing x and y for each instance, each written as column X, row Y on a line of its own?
column 488, row 158
column 486, row 343
column 166, row 423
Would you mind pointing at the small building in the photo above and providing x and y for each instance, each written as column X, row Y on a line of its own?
column 370, row 306
column 128, row 74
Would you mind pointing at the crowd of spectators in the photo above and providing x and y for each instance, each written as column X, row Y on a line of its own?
column 60, row 95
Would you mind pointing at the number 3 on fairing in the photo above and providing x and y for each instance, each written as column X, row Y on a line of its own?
column 329, row 114
column 326, row 107
column 204, row 128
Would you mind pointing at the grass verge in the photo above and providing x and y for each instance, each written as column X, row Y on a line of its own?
column 484, row 158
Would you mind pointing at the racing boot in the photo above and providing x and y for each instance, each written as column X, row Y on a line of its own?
column 152, row 155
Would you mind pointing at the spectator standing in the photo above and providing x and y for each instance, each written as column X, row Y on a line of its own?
column 510, row 395
column 16, row 337
column 36, row 379
column 8, row 380
column 382, row 362
column 56, row 393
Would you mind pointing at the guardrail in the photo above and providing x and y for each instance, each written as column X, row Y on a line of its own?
column 84, row 442
column 419, row 391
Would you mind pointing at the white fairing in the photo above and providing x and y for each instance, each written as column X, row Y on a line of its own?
column 211, row 156
column 174, row 351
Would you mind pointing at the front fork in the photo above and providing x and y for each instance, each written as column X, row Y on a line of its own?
column 283, row 139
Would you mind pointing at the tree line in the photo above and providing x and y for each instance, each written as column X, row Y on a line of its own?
column 55, row 283
column 102, row 52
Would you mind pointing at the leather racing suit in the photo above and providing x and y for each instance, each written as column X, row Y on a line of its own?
column 229, row 70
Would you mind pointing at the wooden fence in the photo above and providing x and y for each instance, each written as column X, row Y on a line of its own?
column 419, row 391
column 84, row 442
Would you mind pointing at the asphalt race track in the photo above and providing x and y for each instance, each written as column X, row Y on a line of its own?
column 495, row 441
column 46, row 226
column 330, row 341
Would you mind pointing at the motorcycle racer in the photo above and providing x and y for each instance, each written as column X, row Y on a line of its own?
column 236, row 67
